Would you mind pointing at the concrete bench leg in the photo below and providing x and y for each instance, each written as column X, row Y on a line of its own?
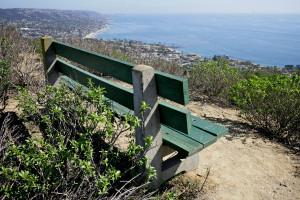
column 144, row 88
column 49, row 59
column 175, row 165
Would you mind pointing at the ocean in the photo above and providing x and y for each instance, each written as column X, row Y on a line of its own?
column 266, row 39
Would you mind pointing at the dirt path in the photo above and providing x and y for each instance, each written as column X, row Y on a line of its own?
column 244, row 165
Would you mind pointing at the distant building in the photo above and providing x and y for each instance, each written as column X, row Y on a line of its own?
column 289, row 67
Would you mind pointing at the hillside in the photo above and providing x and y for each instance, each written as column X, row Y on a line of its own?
column 245, row 164
column 54, row 23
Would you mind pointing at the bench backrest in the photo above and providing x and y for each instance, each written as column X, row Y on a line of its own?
column 168, row 86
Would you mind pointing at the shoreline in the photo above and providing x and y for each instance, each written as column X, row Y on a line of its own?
column 238, row 61
column 93, row 34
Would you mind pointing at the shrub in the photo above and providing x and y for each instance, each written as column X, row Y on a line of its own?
column 75, row 156
column 248, row 73
column 271, row 104
column 212, row 78
column 5, row 71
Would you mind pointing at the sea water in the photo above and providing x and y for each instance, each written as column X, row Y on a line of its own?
column 266, row 39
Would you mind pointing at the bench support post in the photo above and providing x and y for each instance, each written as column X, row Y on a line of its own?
column 144, row 88
column 49, row 58
column 176, row 164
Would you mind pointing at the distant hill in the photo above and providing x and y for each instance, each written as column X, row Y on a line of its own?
column 51, row 22
column 27, row 13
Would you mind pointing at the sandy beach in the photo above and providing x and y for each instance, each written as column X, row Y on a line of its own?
column 93, row 34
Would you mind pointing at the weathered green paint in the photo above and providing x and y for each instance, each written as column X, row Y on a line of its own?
column 168, row 86
column 115, row 92
column 175, row 117
column 116, row 107
column 170, row 115
column 180, row 142
column 203, row 137
column 190, row 144
column 70, row 82
column 119, row 109
column 210, row 127
column 172, row 87
column 112, row 67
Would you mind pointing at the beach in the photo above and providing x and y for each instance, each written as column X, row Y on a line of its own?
column 93, row 34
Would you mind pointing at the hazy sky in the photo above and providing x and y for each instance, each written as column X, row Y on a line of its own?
column 163, row 6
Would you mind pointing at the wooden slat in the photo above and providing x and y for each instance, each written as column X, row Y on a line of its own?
column 115, row 92
column 209, row 127
column 175, row 117
column 112, row 67
column 172, row 87
column 180, row 142
column 168, row 86
column 199, row 136
column 118, row 108
column 203, row 137
column 170, row 115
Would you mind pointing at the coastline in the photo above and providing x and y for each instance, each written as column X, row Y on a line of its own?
column 93, row 34
column 250, row 43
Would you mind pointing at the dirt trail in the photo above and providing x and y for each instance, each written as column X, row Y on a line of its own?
column 244, row 165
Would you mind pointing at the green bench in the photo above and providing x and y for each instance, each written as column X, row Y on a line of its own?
column 177, row 128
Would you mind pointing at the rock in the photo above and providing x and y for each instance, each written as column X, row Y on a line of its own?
column 282, row 184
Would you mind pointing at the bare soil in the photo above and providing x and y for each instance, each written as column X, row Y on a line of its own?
column 243, row 164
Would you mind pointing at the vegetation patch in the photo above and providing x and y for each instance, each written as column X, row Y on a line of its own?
column 75, row 157
column 212, row 78
column 272, row 104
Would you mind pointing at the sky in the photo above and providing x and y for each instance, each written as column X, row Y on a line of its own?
column 162, row 6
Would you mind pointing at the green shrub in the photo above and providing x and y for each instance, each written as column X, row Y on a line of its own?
column 212, row 78
column 75, row 156
column 5, row 71
column 248, row 73
column 272, row 104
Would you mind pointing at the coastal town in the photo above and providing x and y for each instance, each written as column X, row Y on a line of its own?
column 62, row 24
column 35, row 23
column 172, row 54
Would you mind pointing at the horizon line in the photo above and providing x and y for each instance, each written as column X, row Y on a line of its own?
column 123, row 13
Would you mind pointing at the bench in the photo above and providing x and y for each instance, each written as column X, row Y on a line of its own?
column 173, row 128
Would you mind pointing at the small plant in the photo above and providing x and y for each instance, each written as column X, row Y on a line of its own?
column 183, row 187
column 75, row 156
column 271, row 104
